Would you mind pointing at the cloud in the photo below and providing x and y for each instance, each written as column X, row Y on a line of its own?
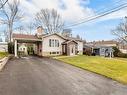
column 70, row 10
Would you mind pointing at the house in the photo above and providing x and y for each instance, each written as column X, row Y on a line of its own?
column 3, row 44
column 23, row 48
column 123, row 48
column 102, row 48
column 49, row 44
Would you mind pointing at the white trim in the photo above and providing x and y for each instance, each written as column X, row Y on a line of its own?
column 27, row 39
column 15, row 48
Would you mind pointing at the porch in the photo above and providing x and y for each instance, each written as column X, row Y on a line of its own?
column 69, row 48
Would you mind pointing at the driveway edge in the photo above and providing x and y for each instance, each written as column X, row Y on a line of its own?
column 3, row 62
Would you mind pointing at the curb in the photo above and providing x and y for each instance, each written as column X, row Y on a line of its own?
column 3, row 62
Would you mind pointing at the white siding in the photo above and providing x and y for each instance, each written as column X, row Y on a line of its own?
column 123, row 50
column 80, row 46
column 23, row 48
column 3, row 47
column 47, row 48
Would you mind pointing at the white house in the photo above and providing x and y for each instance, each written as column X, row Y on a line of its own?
column 3, row 44
column 50, row 44
column 23, row 48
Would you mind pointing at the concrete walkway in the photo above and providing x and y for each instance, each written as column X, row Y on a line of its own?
column 43, row 76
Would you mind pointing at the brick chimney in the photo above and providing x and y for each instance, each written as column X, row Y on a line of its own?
column 39, row 30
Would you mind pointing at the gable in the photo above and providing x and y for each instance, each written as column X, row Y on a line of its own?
column 56, row 35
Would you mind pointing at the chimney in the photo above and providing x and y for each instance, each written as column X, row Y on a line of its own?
column 39, row 30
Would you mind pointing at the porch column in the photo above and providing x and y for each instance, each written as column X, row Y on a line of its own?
column 15, row 48
column 42, row 47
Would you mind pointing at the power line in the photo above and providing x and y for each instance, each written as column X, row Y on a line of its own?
column 97, row 12
column 110, row 5
column 3, row 4
column 99, row 15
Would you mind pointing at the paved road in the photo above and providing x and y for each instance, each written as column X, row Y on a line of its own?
column 36, row 76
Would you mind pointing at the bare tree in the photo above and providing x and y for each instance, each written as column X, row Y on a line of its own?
column 67, row 33
column 121, row 30
column 20, row 29
column 2, row 3
column 30, row 27
column 78, row 37
column 50, row 20
column 10, row 14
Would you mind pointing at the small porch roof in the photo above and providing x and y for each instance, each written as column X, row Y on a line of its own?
column 67, row 42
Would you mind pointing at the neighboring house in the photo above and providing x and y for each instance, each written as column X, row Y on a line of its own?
column 50, row 44
column 3, row 45
column 123, row 48
column 23, row 48
column 102, row 48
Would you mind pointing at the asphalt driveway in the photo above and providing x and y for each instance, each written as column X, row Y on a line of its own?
column 43, row 76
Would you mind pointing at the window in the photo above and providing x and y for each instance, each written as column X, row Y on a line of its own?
column 53, row 43
column 53, row 52
column 56, row 43
column 72, row 50
column 49, row 42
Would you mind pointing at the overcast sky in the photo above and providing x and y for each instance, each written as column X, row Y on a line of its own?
column 75, row 10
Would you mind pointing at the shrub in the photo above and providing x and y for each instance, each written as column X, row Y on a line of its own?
column 11, row 48
column 116, row 52
column 122, row 55
column 87, row 52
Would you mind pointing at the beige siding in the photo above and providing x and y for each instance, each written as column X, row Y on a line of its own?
column 80, row 47
column 47, row 49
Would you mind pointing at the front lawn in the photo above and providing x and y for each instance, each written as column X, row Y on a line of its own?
column 113, row 68
column 3, row 54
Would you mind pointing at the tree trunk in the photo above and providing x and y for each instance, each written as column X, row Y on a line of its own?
column 10, row 31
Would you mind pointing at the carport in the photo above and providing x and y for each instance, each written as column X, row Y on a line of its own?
column 22, row 38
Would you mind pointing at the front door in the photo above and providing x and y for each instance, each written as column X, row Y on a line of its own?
column 72, row 49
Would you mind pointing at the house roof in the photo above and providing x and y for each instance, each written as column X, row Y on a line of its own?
column 73, row 38
column 44, row 36
column 102, row 42
column 66, row 38
column 24, row 36
column 35, row 37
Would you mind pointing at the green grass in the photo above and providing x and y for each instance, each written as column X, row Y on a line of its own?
column 114, row 68
column 3, row 54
